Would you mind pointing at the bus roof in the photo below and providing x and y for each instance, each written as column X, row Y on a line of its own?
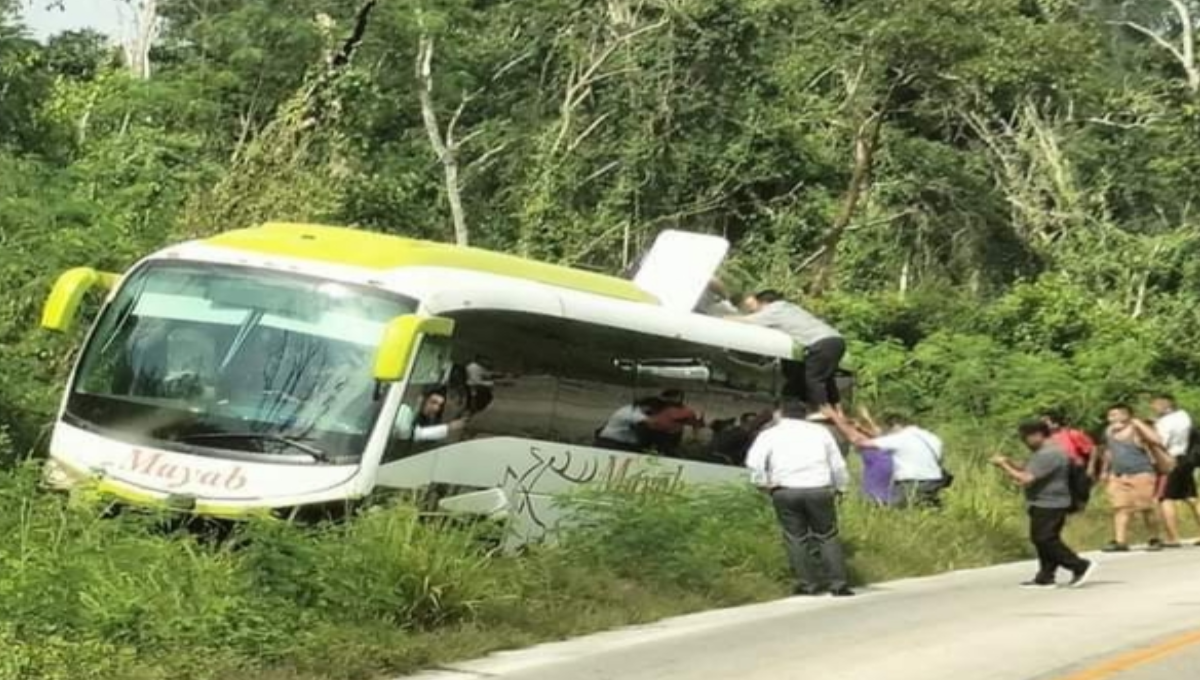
column 372, row 250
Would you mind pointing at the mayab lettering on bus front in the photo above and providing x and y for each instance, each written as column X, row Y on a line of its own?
column 177, row 476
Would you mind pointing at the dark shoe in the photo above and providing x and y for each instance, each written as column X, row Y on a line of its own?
column 1039, row 585
column 1172, row 546
column 1114, row 547
column 843, row 591
column 1154, row 545
column 806, row 591
column 1082, row 577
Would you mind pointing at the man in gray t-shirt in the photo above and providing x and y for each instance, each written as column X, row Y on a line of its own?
column 1046, row 478
column 824, row 347
column 1051, row 486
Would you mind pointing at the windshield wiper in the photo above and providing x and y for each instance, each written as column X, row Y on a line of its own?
column 318, row 455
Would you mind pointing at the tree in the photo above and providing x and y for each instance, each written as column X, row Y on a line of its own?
column 1177, row 37
column 142, row 31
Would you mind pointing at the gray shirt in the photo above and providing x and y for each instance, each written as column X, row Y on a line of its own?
column 1128, row 458
column 793, row 320
column 1051, row 487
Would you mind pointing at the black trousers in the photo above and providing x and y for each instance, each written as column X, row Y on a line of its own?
column 808, row 518
column 916, row 494
column 815, row 380
column 1045, row 530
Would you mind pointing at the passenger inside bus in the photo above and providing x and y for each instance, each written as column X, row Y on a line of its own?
column 626, row 428
column 664, row 429
column 480, row 382
column 425, row 425
column 732, row 437
column 191, row 368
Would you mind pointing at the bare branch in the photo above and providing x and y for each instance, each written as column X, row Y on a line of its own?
column 866, row 140
column 480, row 164
column 458, row 112
column 1188, row 40
column 425, row 94
column 442, row 147
column 588, row 131
column 510, row 65
column 1185, row 52
column 1162, row 42
column 583, row 78
column 604, row 170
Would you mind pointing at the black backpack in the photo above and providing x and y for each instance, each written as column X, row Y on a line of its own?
column 1192, row 457
column 1080, row 484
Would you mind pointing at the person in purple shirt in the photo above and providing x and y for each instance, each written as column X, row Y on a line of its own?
column 878, row 468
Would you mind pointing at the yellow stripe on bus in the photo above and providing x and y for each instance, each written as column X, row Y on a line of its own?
column 370, row 250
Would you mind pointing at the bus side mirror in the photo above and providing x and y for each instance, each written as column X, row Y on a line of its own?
column 62, row 306
column 400, row 340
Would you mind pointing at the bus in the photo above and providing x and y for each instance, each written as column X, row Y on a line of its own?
column 289, row 369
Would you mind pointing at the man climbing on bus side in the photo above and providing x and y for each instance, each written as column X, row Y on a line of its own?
column 823, row 345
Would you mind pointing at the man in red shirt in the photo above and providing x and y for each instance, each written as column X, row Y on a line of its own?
column 1078, row 446
column 667, row 425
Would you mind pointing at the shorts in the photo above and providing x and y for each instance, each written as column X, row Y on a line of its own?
column 1133, row 492
column 1181, row 483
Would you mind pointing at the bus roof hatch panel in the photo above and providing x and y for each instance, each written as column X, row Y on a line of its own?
column 679, row 266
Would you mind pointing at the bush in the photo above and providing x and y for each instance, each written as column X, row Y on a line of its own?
column 86, row 594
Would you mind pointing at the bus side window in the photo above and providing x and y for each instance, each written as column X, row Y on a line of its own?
column 742, row 394
column 595, row 392
column 505, row 365
column 676, row 388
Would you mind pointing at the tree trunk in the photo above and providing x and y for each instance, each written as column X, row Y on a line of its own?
column 444, row 147
column 1185, row 52
column 865, row 142
column 145, row 30
column 1188, row 39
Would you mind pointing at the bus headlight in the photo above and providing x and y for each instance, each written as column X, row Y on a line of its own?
column 57, row 476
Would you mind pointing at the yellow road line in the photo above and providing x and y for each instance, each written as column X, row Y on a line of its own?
column 1137, row 657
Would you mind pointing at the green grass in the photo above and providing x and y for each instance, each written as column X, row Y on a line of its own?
column 84, row 596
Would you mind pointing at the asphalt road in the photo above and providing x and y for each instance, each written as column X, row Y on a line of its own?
column 1139, row 619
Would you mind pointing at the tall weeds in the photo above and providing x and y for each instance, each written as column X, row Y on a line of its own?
column 86, row 594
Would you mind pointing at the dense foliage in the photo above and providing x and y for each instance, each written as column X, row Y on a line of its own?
column 993, row 198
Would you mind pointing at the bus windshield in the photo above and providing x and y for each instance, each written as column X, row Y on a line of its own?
column 236, row 362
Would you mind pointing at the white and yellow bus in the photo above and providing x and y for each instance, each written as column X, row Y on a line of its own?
column 290, row 368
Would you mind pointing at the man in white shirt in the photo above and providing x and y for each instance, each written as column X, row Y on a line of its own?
column 623, row 429
column 918, row 476
column 800, row 465
column 480, row 383
column 1174, row 427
